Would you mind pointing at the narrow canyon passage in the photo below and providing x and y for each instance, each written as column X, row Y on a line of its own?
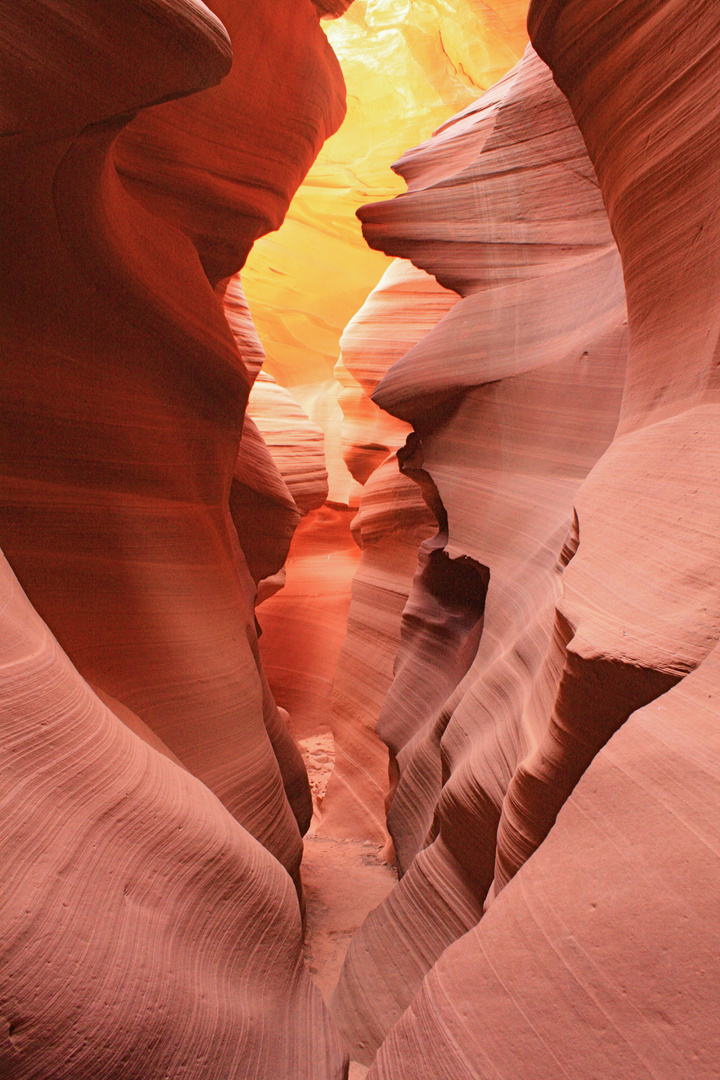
column 360, row 540
column 303, row 628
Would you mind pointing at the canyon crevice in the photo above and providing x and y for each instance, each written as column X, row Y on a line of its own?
column 359, row 540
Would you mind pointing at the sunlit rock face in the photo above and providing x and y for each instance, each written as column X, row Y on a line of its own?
column 402, row 308
column 170, row 157
column 280, row 469
column 514, row 398
column 140, row 902
column 408, row 67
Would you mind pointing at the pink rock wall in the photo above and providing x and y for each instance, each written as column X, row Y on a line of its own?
column 132, row 942
column 543, row 673
column 582, row 872
column 392, row 521
column 600, row 957
column 515, row 399
column 280, row 469
column 132, row 945
column 117, row 489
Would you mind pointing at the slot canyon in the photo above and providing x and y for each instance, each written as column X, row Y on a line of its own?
column 360, row 540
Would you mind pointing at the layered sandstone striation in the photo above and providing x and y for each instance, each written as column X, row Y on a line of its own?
column 145, row 933
column 526, row 411
column 408, row 66
column 280, row 472
column 513, row 399
column 391, row 523
column 556, row 813
column 600, row 957
column 124, row 496
column 133, row 186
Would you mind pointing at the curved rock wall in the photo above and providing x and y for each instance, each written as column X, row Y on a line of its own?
column 534, row 408
column 409, row 66
column 145, row 933
column 600, row 956
column 280, row 471
column 123, row 498
column 514, row 398
column 556, row 883
column 391, row 522
column 132, row 185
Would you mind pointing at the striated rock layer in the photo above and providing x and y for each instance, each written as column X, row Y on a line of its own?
column 597, row 955
column 514, row 398
column 280, row 469
column 145, row 930
column 115, row 491
column 600, row 956
column 392, row 521
column 145, row 933
column 409, row 66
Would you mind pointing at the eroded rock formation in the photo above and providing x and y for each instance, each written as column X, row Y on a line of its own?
column 145, row 933
column 600, row 956
column 586, row 949
column 392, row 521
column 131, row 939
column 409, row 66
column 515, row 399
column 280, row 471
column 531, row 422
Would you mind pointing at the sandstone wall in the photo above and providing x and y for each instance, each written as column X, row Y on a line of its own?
column 552, row 910
column 149, row 926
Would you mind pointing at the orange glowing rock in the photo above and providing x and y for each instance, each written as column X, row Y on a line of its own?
column 408, row 67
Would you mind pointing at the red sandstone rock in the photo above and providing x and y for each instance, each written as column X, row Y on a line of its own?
column 516, row 397
column 332, row 8
column 600, row 956
column 404, row 306
column 223, row 165
column 295, row 443
column 390, row 525
column 145, row 933
column 303, row 625
column 280, row 469
column 122, row 393
column 392, row 521
column 642, row 596
column 597, row 954
column 262, row 508
column 122, row 388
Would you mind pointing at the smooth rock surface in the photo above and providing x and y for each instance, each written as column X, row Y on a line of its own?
column 600, row 956
column 515, row 399
column 145, row 933
column 408, row 66
column 392, row 521
column 122, row 390
column 592, row 953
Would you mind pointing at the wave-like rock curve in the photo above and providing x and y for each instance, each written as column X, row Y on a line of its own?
column 514, row 397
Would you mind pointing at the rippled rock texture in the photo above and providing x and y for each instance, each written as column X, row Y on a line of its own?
column 513, row 399
column 409, row 66
column 557, row 793
column 133, row 187
column 145, row 933
column 392, row 521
